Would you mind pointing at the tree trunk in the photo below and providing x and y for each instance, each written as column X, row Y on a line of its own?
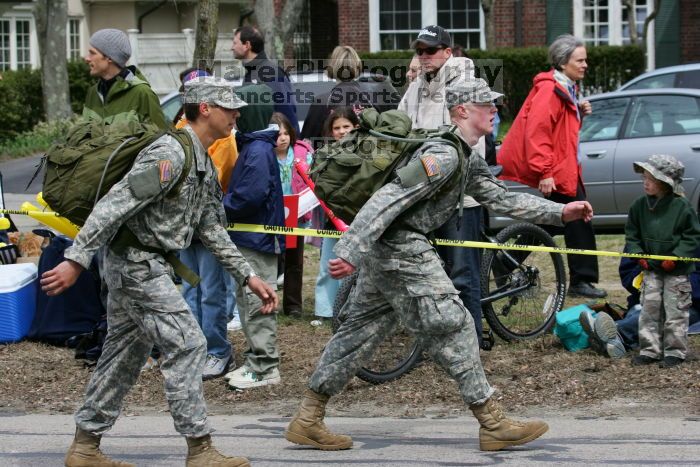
column 631, row 20
column 51, row 19
column 277, row 30
column 489, row 23
column 207, row 34
column 650, row 17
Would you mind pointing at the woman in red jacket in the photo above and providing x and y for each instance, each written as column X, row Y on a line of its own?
column 541, row 150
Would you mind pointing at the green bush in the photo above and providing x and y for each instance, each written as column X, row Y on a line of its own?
column 608, row 68
column 21, row 98
column 38, row 139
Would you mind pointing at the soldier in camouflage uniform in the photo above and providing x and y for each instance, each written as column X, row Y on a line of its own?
column 663, row 222
column 145, row 307
column 399, row 266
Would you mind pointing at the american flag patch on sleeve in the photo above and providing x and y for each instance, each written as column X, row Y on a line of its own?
column 430, row 164
column 165, row 168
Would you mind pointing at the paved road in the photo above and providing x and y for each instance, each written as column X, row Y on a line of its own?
column 41, row 440
column 16, row 174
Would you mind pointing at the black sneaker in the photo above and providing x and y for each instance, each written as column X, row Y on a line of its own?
column 643, row 360
column 670, row 362
column 586, row 289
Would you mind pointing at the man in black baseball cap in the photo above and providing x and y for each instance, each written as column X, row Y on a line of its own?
column 433, row 47
column 433, row 36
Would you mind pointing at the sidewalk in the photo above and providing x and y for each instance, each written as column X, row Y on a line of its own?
column 40, row 440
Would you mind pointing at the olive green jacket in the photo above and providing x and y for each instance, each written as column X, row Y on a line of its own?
column 130, row 94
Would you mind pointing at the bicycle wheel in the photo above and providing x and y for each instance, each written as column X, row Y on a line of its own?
column 393, row 358
column 522, row 290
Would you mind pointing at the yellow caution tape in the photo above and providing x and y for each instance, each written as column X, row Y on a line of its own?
column 297, row 231
column 47, row 217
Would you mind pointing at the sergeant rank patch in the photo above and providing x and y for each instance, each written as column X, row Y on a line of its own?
column 165, row 169
column 430, row 164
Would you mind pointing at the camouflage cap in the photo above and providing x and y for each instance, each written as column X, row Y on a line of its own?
column 664, row 168
column 476, row 91
column 213, row 91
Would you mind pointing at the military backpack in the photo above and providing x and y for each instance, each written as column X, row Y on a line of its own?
column 95, row 155
column 348, row 172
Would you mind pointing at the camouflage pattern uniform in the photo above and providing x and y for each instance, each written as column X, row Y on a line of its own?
column 398, row 266
column 145, row 307
column 663, row 322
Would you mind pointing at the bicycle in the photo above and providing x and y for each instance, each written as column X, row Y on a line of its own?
column 521, row 293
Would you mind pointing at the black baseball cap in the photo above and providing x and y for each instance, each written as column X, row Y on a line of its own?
column 433, row 36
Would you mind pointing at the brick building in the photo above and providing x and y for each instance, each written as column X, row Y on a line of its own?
column 375, row 25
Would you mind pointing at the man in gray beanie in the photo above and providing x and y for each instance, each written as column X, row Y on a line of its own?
column 120, row 89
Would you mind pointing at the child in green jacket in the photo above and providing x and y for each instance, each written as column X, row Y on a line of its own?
column 663, row 222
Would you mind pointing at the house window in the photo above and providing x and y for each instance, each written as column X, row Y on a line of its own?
column 606, row 22
column 24, row 56
column 596, row 27
column 302, row 34
column 16, row 42
column 640, row 11
column 399, row 23
column 463, row 21
column 4, row 45
column 73, row 36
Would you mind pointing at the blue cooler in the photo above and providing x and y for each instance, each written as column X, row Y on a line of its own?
column 18, row 286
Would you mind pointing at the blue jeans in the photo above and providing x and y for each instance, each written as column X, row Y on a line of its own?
column 208, row 300
column 231, row 305
column 463, row 264
column 326, row 286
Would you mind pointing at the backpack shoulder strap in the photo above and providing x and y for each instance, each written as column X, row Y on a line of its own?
column 186, row 142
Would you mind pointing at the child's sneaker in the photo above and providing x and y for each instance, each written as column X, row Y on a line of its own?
column 670, row 362
column 588, row 324
column 243, row 378
column 606, row 331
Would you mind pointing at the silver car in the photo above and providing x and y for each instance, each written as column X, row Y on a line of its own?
column 628, row 126
column 679, row 76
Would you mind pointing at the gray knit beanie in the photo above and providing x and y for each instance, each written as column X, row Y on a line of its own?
column 113, row 43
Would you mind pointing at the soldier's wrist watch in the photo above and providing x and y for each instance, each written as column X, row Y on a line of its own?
column 248, row 277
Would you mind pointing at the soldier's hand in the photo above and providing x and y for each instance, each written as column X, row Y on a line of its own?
column 339, row 268
column 546, row 186
column 263, row 290
column 63, row 276
column 577, row 210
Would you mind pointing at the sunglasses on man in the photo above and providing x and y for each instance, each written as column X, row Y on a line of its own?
column 428, row 50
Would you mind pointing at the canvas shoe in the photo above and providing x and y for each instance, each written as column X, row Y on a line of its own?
column 606, row 331
column 588, row 324
column 234, row 324
column 215, row 367
column 243, row 378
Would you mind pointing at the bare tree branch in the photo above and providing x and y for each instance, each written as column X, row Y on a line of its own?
column 489, row 22
column 650, row 17
column 277, row 30
column 207, row 34
column 631, row 20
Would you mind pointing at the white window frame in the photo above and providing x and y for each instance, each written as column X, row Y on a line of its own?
column 33, row 43
column 81, row 35
column 428, row 16
column 615, row 9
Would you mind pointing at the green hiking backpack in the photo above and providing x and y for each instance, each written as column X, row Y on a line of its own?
column 95, row 155
column 348, row 172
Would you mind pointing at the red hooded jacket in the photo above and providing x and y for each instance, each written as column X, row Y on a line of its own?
column 543, row 141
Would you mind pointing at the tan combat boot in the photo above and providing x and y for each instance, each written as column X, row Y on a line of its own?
column 307, row 426
column 498, row 432
column 85, row 452
column 202, row 453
